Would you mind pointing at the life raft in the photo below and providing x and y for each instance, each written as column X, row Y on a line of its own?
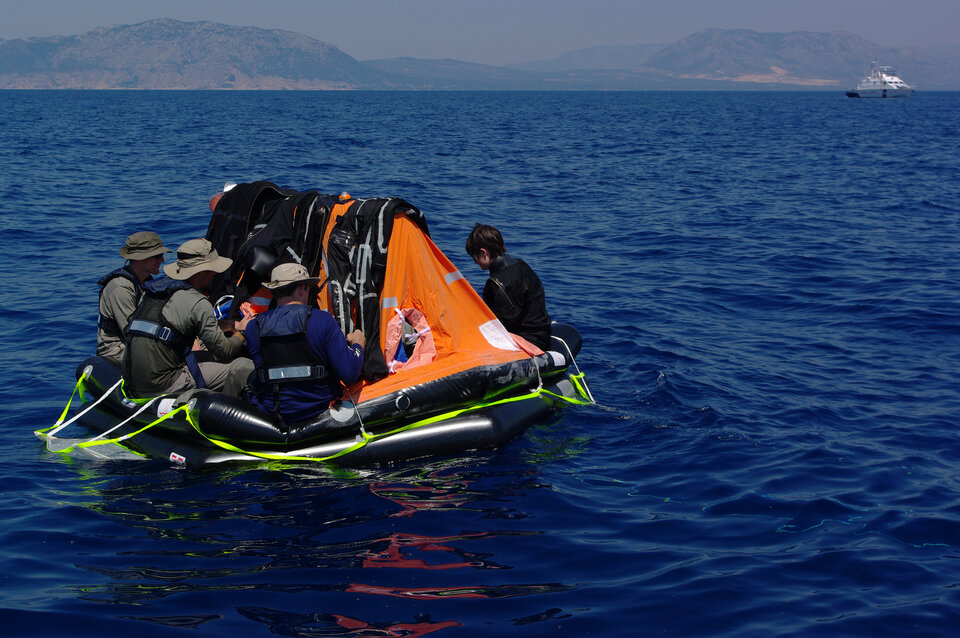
column 465, row 384
column 481, row 408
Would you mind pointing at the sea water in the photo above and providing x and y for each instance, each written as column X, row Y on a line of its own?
column 767, row 286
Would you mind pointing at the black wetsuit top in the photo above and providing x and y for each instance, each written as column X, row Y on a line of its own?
column 514, row 293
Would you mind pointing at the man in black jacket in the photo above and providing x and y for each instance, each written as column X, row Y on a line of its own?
column 513, row 292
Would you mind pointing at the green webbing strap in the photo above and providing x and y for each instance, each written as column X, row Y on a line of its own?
column 577, row 378
column 580, row 382
column 63, row 415
column 60, row 424
column 580, row 385
column 278, row 456
column 363, row 437
column 100, row 441
column 133, row 399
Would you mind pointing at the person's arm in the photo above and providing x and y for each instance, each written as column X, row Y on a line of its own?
column 119, row 301
column 345, row 360
column 216, row 342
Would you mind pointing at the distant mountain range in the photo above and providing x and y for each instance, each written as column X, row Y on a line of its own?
column 169, row 54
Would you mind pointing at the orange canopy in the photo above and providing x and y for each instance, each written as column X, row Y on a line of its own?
column 465, row 333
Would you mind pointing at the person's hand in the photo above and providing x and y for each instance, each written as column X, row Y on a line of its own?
column 357, row 337
column 242, row 324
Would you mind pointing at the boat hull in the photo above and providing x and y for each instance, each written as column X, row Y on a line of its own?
column 880, row 93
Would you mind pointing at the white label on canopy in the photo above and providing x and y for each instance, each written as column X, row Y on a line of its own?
column 497, row 336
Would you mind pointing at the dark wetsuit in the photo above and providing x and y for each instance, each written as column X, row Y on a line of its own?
column 514, row 293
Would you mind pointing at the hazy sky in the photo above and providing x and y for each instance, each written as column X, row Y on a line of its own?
column 501, row 31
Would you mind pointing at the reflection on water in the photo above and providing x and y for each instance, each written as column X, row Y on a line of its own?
column 299, row 624
column 248, row 534
column 479, row 591
column 547, row 615
column 398, row 547
column 178, row 622
column 448, row 488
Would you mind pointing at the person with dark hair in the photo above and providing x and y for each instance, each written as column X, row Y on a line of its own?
column 300, row 354
column 120, row 290
column 513, row 292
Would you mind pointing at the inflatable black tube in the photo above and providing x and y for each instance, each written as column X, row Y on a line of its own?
column 231, row 429
column 227, row 419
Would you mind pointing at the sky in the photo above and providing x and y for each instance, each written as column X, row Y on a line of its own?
column 501, row 31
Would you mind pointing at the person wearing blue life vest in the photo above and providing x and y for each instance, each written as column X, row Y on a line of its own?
column 513, row 292
column 300, row 354
column 173, row 314
column 120, row 291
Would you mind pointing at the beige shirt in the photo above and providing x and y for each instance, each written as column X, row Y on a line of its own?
column 118, row 301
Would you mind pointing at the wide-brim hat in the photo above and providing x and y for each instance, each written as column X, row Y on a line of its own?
column 196, row 255
column 288, row 275
column 143, row 245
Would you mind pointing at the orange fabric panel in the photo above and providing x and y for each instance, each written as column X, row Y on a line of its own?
column 258, row 302
column 420, row 276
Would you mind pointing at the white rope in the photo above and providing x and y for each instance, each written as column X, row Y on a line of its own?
column 86, row 409
column 573, row 360
column 124, row 422
column 356, row 408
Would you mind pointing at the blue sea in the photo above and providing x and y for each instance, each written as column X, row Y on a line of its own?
column 768, row 286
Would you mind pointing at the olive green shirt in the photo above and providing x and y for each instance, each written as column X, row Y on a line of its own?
column 155, row 366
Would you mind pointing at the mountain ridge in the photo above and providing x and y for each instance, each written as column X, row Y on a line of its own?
column 170, row 54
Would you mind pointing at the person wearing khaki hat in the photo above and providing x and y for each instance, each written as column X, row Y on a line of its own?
column 174, row 313
column 300, row 354
column 120, row 290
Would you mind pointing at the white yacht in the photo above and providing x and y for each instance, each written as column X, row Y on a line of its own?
column 882, row 81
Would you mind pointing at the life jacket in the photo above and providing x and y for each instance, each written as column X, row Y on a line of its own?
column 147, row 321
column 286, row 356
column 109, row 325
column 284, row 349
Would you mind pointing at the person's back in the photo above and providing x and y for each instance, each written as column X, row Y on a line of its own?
column 119, row 294
column 294, row 336
column 299, row 353
column 152, row 366
column 513, row 292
